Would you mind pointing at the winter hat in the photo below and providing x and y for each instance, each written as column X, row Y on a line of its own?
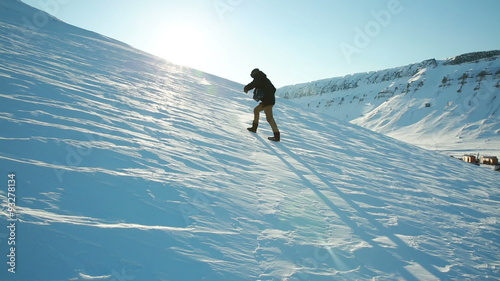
column 255, row 71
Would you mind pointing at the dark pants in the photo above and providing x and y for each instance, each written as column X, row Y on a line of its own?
column 268, row 110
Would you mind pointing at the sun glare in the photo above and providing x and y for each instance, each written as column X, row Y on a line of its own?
column 182, row 43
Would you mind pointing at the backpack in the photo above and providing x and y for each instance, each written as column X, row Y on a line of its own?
column 258, row 94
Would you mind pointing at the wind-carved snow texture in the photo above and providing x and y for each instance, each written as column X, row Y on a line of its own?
column 449, row 105
column 130, row 168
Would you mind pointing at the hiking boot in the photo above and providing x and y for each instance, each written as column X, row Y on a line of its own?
column 253, row 129
column 276, row 137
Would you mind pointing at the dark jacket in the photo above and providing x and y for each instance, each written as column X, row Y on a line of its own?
column 260, row 81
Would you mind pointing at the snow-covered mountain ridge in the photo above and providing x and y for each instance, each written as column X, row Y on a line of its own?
column 445, row 105
column 117, row 165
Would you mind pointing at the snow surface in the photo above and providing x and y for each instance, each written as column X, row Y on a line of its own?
column 131, row 168
column 450, row 105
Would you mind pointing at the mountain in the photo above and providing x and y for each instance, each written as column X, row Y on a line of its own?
column 118, row 165
column 446, row 105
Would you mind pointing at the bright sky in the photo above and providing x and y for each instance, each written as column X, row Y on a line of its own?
column 293, row 41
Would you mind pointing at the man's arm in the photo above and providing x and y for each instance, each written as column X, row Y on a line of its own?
column 254, row 84
column 249, row 86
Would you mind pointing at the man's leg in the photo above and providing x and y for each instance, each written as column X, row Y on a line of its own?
column 256, row 116
column 256, row 113
column 268, row 110
column 270, row 118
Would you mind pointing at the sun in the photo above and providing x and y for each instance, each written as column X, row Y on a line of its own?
column 182, row 43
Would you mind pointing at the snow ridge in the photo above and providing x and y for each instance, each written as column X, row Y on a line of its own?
column 473, row 57
column 445, row 105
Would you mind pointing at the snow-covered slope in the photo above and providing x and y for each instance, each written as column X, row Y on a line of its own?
column 444, row 105
column 126, row 167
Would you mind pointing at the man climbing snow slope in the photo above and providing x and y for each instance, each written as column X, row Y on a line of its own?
column 264, row 92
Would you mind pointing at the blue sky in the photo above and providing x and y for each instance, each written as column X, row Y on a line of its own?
column 293, row 41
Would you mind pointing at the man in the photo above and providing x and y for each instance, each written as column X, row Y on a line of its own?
column 262, row 83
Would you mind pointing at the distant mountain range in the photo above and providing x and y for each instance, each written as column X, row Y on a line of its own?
column 448, row 105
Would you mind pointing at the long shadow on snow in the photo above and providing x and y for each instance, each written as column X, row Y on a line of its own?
column 378, row 256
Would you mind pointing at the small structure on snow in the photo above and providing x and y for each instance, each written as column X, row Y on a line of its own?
column 469, row 159
column 489, row 160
